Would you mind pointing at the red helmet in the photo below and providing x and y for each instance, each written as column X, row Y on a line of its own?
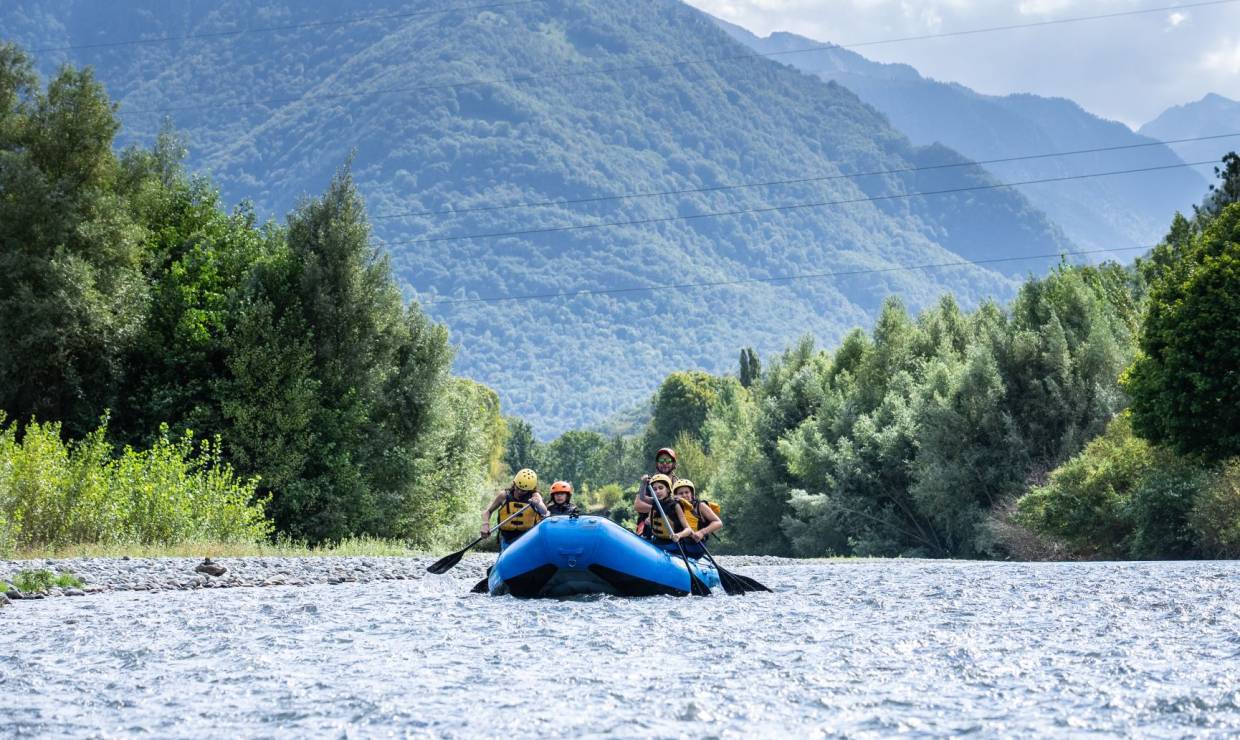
column 562, row 487
column 666, row 451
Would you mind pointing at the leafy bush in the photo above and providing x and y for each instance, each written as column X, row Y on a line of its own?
column 1085, row 503
column 60, row 493
column 1215, row 516
column 1123, row 497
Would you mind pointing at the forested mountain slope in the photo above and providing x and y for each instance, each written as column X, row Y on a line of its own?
column 1210, row 116
column 1100, row 213
column 273, row 114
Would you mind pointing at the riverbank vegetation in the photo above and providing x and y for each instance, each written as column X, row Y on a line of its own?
column 181, row 379
column 1095, row 416
column 243, row 367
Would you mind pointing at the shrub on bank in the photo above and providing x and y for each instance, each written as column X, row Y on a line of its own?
column 1124, row 497
column 56, row 493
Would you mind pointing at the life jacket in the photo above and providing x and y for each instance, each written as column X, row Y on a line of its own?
column 561, row 509
column 525, row 520
column 658, row 527
column 691, row 512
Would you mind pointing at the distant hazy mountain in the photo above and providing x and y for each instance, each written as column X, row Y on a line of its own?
column 431, row 146
column 1211, row 116
column 1098, row 213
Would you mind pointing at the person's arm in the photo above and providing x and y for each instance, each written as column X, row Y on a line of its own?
column 713, row 522
column 496, row 502
column 536, row 502
column 641, row 502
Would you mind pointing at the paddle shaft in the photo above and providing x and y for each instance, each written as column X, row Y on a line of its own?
column 444, row 564
column 693, row 579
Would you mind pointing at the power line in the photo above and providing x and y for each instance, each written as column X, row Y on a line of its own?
column 664, row 65
column 778, row 278
column 791, row 207
column 794, row 181
column 289, row 27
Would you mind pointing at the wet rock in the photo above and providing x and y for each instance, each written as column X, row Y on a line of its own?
column 14, row 595
column 74, row 592
column 4, row 600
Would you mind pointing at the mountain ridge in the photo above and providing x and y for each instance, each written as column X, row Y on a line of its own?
column 1096, row 214
column 562, row 363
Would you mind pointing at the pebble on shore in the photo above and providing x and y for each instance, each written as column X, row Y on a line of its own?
column 101, row 575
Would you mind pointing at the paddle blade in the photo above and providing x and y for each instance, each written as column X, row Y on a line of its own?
column 481, row 587
column 696, row 587
column 732, row 585
column 751, row 584
column 445, row 564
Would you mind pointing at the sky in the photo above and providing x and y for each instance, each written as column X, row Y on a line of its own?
column 1127, row 69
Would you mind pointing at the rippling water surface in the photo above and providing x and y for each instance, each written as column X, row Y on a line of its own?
column 841, row 647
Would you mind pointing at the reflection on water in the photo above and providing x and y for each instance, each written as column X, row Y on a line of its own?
column 858, row 648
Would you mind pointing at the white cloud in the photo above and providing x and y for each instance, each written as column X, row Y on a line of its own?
column 1127, row 68
column 1224, row 59
column 1042, row 7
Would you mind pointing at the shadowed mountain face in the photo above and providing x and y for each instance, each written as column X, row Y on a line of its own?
column 272, row 115
column 1102, row 213
column 1211, row 116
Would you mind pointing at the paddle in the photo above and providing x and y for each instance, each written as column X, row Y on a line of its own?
column 696, row 587
column 445, row 564
column 733, row 583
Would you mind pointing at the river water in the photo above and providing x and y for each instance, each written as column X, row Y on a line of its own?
column 849, row 648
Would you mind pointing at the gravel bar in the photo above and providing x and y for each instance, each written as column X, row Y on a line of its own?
column 101, row 575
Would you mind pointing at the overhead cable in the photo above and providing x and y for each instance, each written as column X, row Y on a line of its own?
column 658, row 65
column 790, row 207
column 289, row 27
column 795, row 181
column 776, row 279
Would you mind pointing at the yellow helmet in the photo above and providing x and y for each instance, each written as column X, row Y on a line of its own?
column 685, row 483
column 525, row 480
column 661, row 478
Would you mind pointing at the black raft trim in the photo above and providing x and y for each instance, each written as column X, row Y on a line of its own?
column 630, row 585
column 530, row 584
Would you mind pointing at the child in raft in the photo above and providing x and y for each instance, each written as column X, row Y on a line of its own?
column 523, row 497
column 673, row 514
column 561, row 499
column 702, row 516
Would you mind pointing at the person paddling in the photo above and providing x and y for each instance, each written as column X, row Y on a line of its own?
column 561, row 499
column 702, row 516
column 662, row 537
column 521, row 494
column 664, row 464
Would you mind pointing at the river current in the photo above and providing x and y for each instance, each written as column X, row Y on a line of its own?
column 841, row 648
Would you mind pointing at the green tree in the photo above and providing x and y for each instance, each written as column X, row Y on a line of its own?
column 354, row 385
column 680, row 405
column 1185, row 385
column 522, row 449
column 71, row 289
column 576, row 457
column 750, row 367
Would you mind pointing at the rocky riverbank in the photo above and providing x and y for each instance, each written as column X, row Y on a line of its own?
column 103, row 575
column 100, row 575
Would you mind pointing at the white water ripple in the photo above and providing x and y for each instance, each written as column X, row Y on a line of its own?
column 856, row 648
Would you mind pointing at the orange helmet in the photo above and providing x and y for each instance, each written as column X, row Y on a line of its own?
column 666, row 451
column 561, row 486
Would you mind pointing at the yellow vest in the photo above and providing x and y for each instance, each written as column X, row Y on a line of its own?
column 525, row 520
column 657, row 526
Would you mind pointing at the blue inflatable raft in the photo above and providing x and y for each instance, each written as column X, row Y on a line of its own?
column 569, row 556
